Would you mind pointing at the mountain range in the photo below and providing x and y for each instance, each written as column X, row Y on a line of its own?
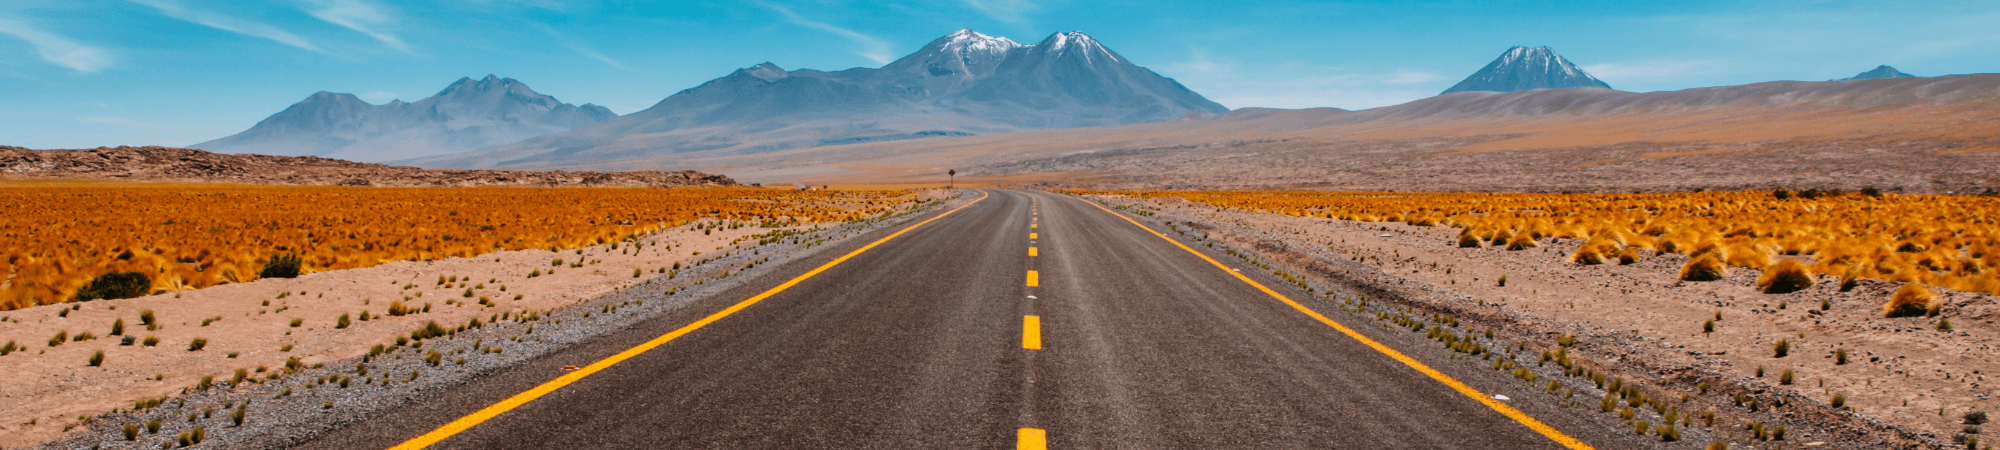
column 964, row 83
column 1525, row 68
column 467, row 115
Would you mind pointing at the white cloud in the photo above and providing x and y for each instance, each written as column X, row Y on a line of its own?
column 1009, row 11
column 871, row 48
column 359, row 16
column 579, row 47
column 1300, row 85
column 58, row 49
column 174, row 9
column 1642, row 72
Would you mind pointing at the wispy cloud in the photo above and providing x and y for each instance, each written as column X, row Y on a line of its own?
column 359, row 16
column 58, row 49
column 579, row 47
column 1010, row 11
column 1300, row 85
column 1653, row 71
column 871, row 48
column 174, row 9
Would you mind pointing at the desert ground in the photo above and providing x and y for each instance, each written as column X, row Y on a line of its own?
column 1905, row 381
column 260, row 327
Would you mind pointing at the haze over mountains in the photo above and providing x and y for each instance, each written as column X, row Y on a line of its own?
column 965, row 83
column 1524, row 68
column 467, row 115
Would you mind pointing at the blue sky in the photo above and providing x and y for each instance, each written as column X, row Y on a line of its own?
column 84, row 73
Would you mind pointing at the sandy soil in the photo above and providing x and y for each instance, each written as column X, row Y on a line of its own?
column 1901, row 372
column 250, row 325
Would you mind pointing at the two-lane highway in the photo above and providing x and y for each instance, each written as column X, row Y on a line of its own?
column 1020, row 320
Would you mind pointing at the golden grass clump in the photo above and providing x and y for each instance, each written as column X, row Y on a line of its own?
column 1521, row 241
column 60, row 237
column 1704, row 268
column 1468, row 241
column 1788, row 275
column 1593, row 252
column 1628, row 257
column 1910, row 301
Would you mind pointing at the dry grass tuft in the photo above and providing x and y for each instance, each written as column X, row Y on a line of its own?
column 1910, row 301
column 1522, row 241
column 1704, row 268
column 1784, row 277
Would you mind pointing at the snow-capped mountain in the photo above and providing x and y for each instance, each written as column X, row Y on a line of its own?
column 960, row 84
column 1524, row 68
column 1879, row 72
column 466, row 115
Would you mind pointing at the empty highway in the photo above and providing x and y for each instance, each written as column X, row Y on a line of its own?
column 1023, row 320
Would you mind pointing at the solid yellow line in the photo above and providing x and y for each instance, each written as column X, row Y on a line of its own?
column 467, row 422
column 1462, row 388
column 1031, row 332
column 1031, row 251
column 1034, row 279
column 1032, row 439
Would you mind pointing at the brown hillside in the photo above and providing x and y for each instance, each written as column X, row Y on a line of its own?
column 180, row 164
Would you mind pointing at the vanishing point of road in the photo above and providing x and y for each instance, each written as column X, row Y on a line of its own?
column 1024, row 319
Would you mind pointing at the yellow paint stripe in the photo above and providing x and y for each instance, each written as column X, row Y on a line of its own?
column 1034, row 279
column 1031, row 332
column 1462, row 388
column 495, row 410
column 1034, row 225
column 1031, row 251
column 1032, row 439
column 1031, row 235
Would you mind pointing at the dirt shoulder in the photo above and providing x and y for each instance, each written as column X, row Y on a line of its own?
column 1904, row 382
column 259, row 326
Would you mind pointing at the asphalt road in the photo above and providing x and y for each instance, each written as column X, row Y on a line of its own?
column 923, row 342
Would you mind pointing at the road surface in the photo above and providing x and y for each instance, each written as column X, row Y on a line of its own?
column 1024, row 319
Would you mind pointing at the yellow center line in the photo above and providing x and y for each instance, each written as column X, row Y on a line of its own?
column 1031, row 235
column 1447, row 380
column 1031, row 251
column 1034, row 279
column 1034, row 225
column 496, row 409
column 1031, row 332
column 1032, row 439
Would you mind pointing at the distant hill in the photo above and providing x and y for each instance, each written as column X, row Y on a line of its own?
column 965, row 83
column 1879, row 72
column 1524, row 68
column 191, row 165
column 466, row 115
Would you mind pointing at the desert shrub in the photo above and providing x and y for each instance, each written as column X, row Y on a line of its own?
column 1628, row 256
column 1592, row 253
column 1787, row 378
column 97, row 358
column 197, row 344
column 117, row 327
column 146, row 317
column 1784, row 277
column 150, row 341
column 341, row 322
column 1468, row 241
column 1783, row 348
column 1909, row 301
column 1839, row 401
column 284, row 265
column 1704, row 268
column 115, row 285
column 1521, row 241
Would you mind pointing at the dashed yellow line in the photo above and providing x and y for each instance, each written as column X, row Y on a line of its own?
column 1034, row 225
column 1454, row 384
column 1031, row 332
column 1034, row 279
column 1032, row 439
column 1031, row 235
column 495, row 410
column 1031, row 251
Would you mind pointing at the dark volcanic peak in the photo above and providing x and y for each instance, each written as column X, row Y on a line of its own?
column 965, row 83
column 182, row 164
column 1524, row 68
column 466, row 115
column 1880, row 72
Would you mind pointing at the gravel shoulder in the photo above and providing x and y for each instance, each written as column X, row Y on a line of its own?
column 1905, row 382
column 344, row 374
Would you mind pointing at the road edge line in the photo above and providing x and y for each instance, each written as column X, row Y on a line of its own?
column 1509, row 411
column 495, row 410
